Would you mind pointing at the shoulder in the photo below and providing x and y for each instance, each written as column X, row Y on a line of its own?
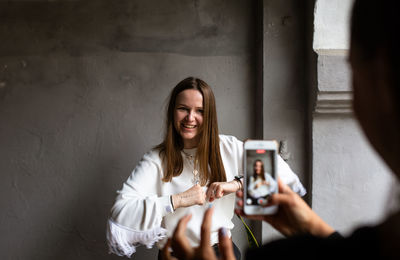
column 149, row 165
column 152, row 158
column 231, row 149
column 153, row 155
column 229, row 140
column 230, row 144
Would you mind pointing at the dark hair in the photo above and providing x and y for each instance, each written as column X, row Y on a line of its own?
column 208, row 154
column 375, row 26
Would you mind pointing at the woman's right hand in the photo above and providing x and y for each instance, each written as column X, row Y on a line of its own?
column 294, row 216
column 193, row 196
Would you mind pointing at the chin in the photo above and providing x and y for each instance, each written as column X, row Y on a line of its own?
column 186, row 136
column 192, row 139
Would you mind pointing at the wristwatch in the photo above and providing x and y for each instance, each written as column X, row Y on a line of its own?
column 238, row 177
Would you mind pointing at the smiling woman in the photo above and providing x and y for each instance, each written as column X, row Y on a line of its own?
column 192, row 167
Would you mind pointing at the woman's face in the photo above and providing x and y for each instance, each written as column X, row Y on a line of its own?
column 258, row 167
column 188, row 116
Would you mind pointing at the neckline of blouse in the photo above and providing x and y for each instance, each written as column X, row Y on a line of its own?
column 189, row 152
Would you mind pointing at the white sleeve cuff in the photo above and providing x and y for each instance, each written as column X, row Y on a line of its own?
column 165, row 205
column 298, row 188
column 123, row 241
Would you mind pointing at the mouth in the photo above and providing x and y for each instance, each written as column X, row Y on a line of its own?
column 189, row 126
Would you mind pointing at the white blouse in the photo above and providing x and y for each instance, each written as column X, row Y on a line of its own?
column 263, row 189
column 143, row 215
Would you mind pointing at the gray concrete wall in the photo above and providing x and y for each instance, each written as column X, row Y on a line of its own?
column 83, row 86
column 284, row 89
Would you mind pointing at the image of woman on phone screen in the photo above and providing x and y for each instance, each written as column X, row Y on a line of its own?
column 261, row 184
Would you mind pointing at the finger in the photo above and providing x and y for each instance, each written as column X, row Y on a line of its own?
column 283, row 188
column 205, row 228
column 207, row 196
column 219, row 192
column 182, row 223
column 280, row 199
column 212, row 196
column 180, row 243
column 225, row 245
column 239, row 203
column 165, row 253
column 209, row 192
column 239, row 194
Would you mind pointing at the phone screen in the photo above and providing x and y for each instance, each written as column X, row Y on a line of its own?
column 261, row 179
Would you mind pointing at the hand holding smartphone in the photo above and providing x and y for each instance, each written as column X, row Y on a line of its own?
column 260, row 176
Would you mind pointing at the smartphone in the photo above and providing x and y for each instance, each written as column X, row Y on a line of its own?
column 260, row 176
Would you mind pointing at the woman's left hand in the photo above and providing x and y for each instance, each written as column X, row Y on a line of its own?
column 219, row 189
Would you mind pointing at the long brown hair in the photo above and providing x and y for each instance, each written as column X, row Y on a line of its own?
column 262, row 175
column 208, row 154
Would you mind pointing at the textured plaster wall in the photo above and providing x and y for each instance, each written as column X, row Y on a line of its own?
column 83, row 86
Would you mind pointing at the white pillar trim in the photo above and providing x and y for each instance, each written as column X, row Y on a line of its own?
column 334, row 102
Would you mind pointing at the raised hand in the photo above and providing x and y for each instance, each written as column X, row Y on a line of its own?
column 294, row 216
column 219, row 189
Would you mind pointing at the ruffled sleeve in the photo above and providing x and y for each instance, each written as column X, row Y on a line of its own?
column 289, row 177
column 138, row 209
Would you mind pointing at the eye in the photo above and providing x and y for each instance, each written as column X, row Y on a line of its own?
column 182, row 109
column 200, row 111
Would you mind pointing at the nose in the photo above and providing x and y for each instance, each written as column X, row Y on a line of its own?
column 190, row 116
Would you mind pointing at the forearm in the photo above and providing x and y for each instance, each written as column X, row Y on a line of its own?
column 238, row 185
column 176, row 201
column 320, row 228
column 239, row 180
column 193, row 196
